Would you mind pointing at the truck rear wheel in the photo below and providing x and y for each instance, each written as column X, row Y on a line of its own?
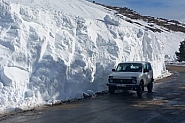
column 150, row 87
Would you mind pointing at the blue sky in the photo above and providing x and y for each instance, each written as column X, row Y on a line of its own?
column 169, row 9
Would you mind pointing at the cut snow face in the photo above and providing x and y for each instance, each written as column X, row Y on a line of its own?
column 52, row 51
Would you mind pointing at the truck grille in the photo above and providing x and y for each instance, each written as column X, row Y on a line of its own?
column 122, row 81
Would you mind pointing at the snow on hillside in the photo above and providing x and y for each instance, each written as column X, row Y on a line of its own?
column 52, row 51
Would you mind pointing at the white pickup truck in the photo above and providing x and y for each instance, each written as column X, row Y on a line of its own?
column 131, row 76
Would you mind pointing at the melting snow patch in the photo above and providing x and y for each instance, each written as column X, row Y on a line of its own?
column 109, row 20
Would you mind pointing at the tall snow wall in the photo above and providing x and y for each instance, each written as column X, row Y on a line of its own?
column 48, row 56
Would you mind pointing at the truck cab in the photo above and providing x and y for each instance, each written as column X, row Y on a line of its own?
column 131, row 76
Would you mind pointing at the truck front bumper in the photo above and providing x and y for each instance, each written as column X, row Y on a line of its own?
column 123, row 86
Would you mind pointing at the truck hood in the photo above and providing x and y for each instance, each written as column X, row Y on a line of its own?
column 128, row 75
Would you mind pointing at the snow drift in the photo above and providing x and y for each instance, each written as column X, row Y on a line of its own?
column 52, row 51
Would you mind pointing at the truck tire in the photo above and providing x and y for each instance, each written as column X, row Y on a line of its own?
column 150, row 87
column 111, row 90
column 140, row 90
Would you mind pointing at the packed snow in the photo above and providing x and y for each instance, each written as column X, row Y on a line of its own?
column 65, row 49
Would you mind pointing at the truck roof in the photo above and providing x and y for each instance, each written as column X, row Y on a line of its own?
column 135, row 62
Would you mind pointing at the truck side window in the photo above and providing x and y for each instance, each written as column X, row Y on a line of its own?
column 149, row 67
column 145, row 67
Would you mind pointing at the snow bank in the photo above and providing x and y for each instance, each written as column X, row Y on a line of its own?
column 48, row 54
column 111, row 21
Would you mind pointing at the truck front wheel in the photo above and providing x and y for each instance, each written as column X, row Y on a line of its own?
column 111, row 90
column 140, row 90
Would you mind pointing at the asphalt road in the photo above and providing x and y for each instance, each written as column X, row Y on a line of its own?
column 166, row 104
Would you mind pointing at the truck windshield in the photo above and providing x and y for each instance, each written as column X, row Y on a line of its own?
column 129, row 67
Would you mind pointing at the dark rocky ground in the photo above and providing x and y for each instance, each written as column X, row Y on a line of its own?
column 164, row 24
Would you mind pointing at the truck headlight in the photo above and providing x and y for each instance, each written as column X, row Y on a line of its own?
column 110, row 81
column 134, row 80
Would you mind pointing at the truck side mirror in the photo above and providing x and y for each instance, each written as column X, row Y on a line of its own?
column 113, row 70
column 146, row 70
